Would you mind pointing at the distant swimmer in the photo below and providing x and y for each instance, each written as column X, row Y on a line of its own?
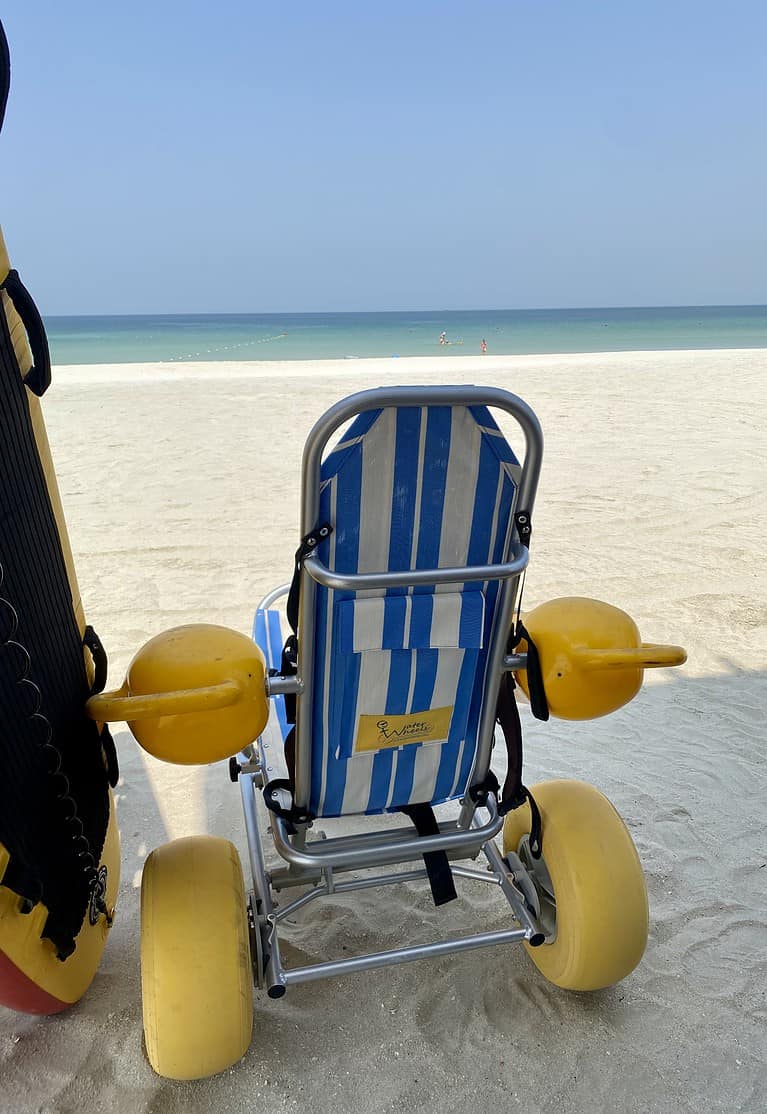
column 443, row 338
column 483, row 344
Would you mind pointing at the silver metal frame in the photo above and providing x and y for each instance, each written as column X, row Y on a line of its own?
column 317, row 863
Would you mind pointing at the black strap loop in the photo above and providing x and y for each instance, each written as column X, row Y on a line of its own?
column 5, row 74
column 100, row 664
column 539, row 705
column 38, row 378
column 307, row 546
column 278, row 798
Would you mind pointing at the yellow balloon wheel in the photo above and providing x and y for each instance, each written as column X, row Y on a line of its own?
column 195, row 958
column 599, row 893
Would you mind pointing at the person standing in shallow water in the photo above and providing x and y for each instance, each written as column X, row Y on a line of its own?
column 483, row 345
column 442, row 338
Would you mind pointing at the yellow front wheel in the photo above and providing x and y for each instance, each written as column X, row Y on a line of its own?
column 195, row 958
column 591, row 887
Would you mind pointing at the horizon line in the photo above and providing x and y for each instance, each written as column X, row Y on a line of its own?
column 362, row 312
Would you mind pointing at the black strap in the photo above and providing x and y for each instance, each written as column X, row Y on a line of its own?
column 307, row 546
column 507, row 715
column 110, row 755
column 99, row 655
column 436, row 862
column 5, row 73
column 289, row 668
column 539, row 705
column 278, row 793
column 38, row 378
column 538, row 701
column 514, row 793
column 100, row 666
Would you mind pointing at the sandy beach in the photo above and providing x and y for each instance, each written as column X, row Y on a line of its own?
column 180, row 484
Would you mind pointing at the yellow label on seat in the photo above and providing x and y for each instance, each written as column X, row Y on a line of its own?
column 377, row 732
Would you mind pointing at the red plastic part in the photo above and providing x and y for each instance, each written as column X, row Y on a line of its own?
column 19, row 992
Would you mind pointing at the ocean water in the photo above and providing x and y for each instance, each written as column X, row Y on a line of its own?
column 312, row 336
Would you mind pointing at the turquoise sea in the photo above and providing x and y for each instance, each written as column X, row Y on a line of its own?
column 313, row 336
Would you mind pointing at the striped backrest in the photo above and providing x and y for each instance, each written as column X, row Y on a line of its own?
column 399, row 674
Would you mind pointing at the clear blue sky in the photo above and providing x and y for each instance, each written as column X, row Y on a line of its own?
column 252, row 156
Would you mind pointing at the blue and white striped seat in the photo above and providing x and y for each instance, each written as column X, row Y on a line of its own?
column 399, row 674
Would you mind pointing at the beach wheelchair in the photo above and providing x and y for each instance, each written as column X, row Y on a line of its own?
column 377, row 685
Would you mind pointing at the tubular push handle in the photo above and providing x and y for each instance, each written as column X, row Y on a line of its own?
column 647, row 656
column 120, row 704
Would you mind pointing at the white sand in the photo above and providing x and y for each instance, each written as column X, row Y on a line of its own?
column 181, row 487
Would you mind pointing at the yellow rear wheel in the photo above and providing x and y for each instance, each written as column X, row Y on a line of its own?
column 599, row 908
column 195, row 958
